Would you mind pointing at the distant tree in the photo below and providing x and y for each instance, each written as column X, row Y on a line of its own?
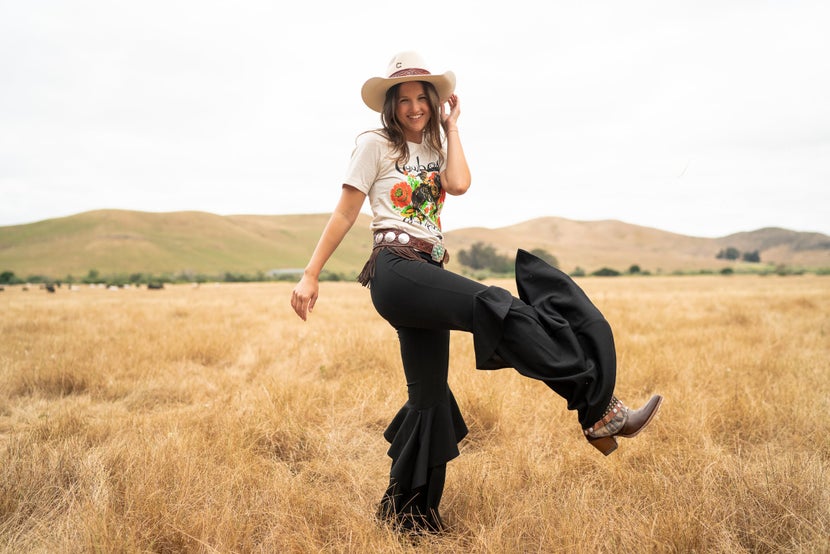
column 730, row 253
column 752, row 257
column 606, row 272
column 727, row 271
column 331, row 276
column 231, row 277
column 484, row 256
column 634, row 269
column 8, row 278
column 546, row 256
column 117, row 280
column 93, row 276
column 578, row 272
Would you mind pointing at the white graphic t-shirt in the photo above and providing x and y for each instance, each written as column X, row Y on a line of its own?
column 408, row 197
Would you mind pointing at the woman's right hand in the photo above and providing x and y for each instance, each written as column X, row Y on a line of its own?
column 305, row 293
column 304, row 296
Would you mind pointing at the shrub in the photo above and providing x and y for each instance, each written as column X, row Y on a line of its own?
column 330, row 276
column 752, row 257
column 484, row 256
column 606, row 272
column 730, row 253
column 93, row 276
column 546, row 256
column 9, row 278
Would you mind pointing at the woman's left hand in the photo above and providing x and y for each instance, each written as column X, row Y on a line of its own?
column 455, row 179
column 450, row 120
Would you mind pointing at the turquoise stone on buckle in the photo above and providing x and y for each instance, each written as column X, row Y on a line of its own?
column 438, row 253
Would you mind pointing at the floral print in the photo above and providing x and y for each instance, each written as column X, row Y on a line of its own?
column 401, row 194
column 420, row 198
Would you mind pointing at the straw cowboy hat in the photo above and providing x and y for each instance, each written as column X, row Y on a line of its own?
column 405, row 66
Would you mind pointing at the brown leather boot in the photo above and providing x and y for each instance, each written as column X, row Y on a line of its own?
column 620, row 421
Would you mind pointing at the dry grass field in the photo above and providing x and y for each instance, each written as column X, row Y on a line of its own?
column 214, row 420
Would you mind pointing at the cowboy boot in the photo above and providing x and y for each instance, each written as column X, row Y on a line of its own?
column 620, row 421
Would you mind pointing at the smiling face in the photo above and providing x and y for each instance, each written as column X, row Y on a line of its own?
column 412, row 110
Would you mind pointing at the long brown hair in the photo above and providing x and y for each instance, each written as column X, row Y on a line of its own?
column 394, row 132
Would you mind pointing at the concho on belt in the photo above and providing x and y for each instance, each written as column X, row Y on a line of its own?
column 436, row 250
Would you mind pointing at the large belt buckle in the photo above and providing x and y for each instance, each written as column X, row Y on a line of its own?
column 437, row 252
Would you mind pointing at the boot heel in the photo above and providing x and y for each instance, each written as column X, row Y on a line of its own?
column 606, row 445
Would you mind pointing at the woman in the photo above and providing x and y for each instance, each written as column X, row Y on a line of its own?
column 551, row 332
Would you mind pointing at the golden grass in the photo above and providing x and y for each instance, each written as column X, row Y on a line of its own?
column 214, row 420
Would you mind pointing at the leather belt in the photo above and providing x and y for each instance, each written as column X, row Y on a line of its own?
column 394, row 237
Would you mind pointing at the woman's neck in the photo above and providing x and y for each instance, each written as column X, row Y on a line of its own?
column 417, row 138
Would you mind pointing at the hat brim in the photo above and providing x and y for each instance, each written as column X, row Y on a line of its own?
column 374, row 90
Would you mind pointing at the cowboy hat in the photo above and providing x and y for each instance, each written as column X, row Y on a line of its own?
column 405, row 66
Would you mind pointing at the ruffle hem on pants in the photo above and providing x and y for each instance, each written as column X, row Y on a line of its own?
column 422, row 441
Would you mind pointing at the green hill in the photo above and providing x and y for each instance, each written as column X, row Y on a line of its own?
column 117, row 241
column 124, row 242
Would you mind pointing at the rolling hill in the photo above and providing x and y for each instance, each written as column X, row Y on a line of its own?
column 594, row 244
column 119, row 241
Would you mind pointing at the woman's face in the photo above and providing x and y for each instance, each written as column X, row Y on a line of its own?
column 412, row 110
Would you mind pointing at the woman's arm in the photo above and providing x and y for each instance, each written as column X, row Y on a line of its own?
column 305, row 293
column 456, row 178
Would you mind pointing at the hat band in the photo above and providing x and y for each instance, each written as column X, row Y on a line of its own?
column 409, row 71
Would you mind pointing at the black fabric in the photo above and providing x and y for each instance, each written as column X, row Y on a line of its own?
column 415, row 510
column 426, row 430
column 421, row 439
column 490, row 309
column 577, row 359
column 552, row 333
column 368, row 271
column 558, row 300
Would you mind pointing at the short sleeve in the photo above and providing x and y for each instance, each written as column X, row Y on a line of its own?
column 364, row 167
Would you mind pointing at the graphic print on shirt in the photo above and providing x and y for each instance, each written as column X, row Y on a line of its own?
column 420, row 196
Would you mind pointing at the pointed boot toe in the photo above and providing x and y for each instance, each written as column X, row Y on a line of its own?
column 620, row 421
column 638, row 419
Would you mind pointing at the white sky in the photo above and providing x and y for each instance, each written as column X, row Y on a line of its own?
column 699, row 117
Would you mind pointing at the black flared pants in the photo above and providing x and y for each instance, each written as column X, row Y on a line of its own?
column 551, row 332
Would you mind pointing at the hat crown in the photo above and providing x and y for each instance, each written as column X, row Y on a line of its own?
column 405, row 66
column 406, row 63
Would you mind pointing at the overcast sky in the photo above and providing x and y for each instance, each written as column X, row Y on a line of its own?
column 699, row 117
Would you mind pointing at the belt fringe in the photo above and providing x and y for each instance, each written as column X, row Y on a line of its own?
column 368, row 272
